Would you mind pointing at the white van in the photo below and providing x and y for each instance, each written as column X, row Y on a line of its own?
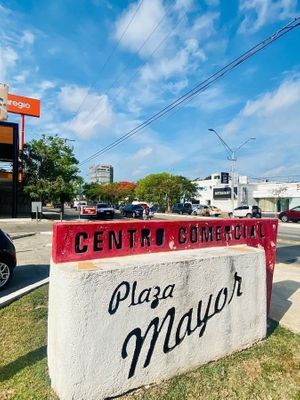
column 78, row 203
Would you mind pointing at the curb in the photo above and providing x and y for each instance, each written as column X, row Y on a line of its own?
column 293, row 225
column 21, row 235
column 183, row 216
column 10, row 298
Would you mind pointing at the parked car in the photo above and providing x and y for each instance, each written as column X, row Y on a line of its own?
column 78, row 204
column 8, row 259
column 105, row 211
column 247, row 211
column 181, row 208
column 132, row 210
column 290, row 215
column 214, row 211
column 200, row 209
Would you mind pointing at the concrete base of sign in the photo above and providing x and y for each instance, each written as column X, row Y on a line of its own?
column 120, row 323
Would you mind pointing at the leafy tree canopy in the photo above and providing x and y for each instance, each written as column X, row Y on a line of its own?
column 111, row 192
column 51, row 170
column 165, row 189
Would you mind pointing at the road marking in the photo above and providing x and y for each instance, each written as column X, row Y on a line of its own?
column 283, row 241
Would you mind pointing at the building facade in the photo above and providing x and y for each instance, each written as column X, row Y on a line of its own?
column 101, row 173
column 216, row 191
column 269, row 196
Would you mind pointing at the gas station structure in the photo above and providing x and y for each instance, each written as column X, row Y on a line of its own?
column 11, row 143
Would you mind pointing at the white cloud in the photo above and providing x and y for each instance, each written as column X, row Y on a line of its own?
column 274, row 119
column 28, row 38
column 8, row 59
column 284, row 97
column 147, row 21
column 142, row 153
column 166, row 67
column 257, row 13
column 183, row 5
column 213, row 99
column 71, row 97
column 45, row 85
column 204, row 26
column 94, row 113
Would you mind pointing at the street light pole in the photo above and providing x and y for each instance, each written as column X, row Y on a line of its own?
column 232, row 158
column 233, row 167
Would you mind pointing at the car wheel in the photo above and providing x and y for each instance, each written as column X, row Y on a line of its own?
column 230, row 215
column 284, row 218
column 6, row 273
column 248, row 215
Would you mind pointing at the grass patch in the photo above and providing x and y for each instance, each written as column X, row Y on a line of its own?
column 270, row 370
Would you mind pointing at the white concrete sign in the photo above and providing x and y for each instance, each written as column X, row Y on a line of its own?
column 119, row 323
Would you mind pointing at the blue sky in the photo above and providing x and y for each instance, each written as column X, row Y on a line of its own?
column 96, row 82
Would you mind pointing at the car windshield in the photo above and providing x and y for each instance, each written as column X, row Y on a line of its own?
column 102, row 205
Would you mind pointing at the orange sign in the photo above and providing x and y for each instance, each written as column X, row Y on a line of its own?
column 23, row 105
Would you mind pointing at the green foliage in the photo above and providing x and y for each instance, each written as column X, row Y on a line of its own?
column 92, row 191
column 165, row 189
column 111, row 192
column 50, row 170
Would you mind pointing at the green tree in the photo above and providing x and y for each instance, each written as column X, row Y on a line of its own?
column 93, row 191
column 51, row 170
column 111, row 192
column 164, row 189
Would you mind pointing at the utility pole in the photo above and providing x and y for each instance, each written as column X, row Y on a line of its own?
column 232, row 158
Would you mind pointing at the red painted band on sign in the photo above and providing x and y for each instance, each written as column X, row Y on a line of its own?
column 88, row 210
column 92, row 240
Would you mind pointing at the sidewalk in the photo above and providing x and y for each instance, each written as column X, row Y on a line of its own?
column 285, row 301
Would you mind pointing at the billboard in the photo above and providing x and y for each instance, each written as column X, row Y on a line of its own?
column 3, row 101
column 223, row 193
column 23, row 105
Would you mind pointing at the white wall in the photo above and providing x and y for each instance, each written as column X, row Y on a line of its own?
column 92, row 337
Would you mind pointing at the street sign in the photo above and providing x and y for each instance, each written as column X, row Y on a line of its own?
column 225, row 178
column 36, row 206
column 87, row 241
column 23, row 105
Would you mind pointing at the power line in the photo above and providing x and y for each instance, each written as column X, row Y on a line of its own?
column 111, row 54
column 200, row 87
column 142, row 65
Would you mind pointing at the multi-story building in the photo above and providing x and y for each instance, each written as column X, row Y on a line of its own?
column 101, row 173
column 215, row 190
column 269, row 196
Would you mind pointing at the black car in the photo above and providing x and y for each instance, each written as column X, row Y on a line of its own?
column 8, row 259
column 132, row 210
column 256, row 212
column 105, row 211
column 181, row 208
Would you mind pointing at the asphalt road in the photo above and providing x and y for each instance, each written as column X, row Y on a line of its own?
column 288, row 244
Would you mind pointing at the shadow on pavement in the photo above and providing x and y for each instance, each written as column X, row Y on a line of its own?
column 293, row 251
column 25, row 275
column 280, row 301
column 271, row 326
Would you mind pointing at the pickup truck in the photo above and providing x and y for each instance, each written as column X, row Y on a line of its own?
column 104, row 211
